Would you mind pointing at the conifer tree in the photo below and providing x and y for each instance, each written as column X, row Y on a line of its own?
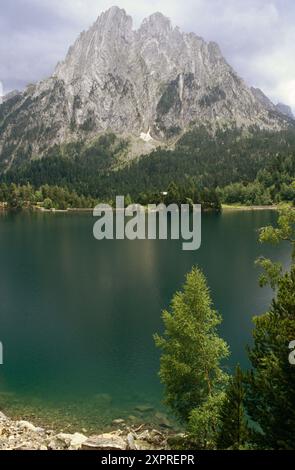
column 192, row 351
column 271, row 382
column 234, row 430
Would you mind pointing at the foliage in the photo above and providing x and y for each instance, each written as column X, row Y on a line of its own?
column 204, row 423
column 169, row 98
column 284, row 232
column 214, row 95
column 230, row 165
column 48, row 197
column 233, row 430
column 271, row 382
column 191, row 349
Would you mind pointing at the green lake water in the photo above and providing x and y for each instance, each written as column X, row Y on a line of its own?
column 77, row 316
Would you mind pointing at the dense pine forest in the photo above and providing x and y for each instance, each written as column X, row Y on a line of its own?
column 230, row 166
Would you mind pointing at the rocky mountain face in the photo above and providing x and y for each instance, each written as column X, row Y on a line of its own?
column 151, row 84
column 267, row 103
column 285, row 109
column 9, row 96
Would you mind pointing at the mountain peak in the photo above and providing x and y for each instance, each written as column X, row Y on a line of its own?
column 285, row 109
column 157, row 22
column 113, row 12
column 156, row 82
column 282, row 108
column 114, row 18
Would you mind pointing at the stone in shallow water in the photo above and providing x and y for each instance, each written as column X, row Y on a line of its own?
column 144, row 408
column 102, row 399
column 163, row 420
column 105, row 442
column 133, row 418
column 118, row 421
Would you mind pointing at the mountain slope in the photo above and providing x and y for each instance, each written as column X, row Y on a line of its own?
column 249, row 168
column 152, row 84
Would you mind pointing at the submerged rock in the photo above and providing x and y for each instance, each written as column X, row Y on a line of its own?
column 163, row 420
column 105, row 442
column 103, row 399
column 133, row 419
column 117, row 422
column 144, row 408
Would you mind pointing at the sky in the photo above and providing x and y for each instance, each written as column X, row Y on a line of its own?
column 257, row 37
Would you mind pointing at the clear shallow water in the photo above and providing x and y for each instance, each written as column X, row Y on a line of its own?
column 77, row 316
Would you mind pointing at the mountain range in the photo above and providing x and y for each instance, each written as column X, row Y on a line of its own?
column 149, row 86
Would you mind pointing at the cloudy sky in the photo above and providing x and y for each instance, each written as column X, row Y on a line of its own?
column 256, row 36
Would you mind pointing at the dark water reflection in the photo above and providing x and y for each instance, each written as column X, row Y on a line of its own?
column 77, row 315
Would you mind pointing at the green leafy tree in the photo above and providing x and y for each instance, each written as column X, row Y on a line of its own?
column 173, row 196
column 284, row 232
column 253, row 168
column 192, row 351
column 271, row 382
column 48, row 204
column 128, row 200
column 14, row 199
column 204, row 423
column 233, row 427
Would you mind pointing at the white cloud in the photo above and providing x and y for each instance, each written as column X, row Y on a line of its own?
column 1, row 89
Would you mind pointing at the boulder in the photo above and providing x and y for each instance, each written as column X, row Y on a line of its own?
column 26, row 426
column 67, row 441
column 157, row 438
column 143, row 445
column 144, row 436
column 59, row 442
column 43, row 447
column 77, row 441
column 131, row 442
column 105, row 442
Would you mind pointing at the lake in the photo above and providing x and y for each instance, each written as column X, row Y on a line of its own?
column 77, row 316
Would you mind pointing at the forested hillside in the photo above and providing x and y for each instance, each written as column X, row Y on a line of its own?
column 230, row 166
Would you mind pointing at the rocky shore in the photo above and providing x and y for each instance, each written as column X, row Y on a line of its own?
column 23, row 435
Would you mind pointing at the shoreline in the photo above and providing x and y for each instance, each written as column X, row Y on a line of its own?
column 75, row 210
column 230, row 208
column 24, row 435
